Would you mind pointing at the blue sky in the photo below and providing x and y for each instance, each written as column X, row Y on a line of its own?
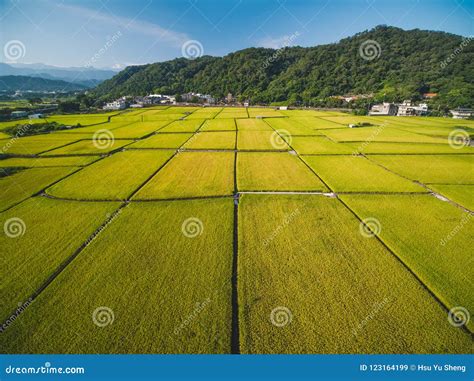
column 117, row 33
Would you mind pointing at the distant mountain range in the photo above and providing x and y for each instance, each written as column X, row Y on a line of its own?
column 13, row 83
column 86, row 77
column 390, row 62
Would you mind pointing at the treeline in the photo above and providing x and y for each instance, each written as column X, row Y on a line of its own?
column 408, row 64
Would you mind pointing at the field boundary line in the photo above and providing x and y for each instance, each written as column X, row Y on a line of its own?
column 235, row 325
column 68, row 260
column 423, row 185
column 299, row 157
column 44, row 189
column 411, row 271
column 430, row 292
column 177, row 150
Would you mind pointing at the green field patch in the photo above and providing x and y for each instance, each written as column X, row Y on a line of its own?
column 82, row 119
column 252, row 125
column 442, row 131
column 205, row 113
column 260, row 140
column 169, row 293
column 161, row 117
column 115, row 177
column 33, row 145
column 345, row 120
column 138, row 130
column 330, row 289
column 267, row 171
column 317, row 123
column 462, row 194
column 179, row 110
column 263, row 112
column 192, row 174
column 443, row 169
column 379, row 134
column 212, row 140
column 25, row 183
column 183, row 126
column 292, row 126
column 310, row 113
column 218, row 125
column 92, row 146
column 431, row 236
column 63, row 161
column 162, row 141
column 401, row 148
column 232, row 112
column 52, row 230
column 357, row 174
column 318, row 145
column 90, row 130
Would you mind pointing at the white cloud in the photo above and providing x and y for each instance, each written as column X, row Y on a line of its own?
column 130, row 24
column 278, row 42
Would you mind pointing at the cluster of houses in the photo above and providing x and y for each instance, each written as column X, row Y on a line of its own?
column 408, row 109
column 137, row 102
column 399, row 109
column 156, row 99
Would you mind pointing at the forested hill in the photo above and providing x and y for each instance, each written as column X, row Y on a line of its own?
column 407, row 64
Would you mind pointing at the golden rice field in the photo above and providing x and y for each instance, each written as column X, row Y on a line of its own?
column 237, row 230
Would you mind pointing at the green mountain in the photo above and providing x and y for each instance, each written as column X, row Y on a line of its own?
column 12, row 83
column 404, row 64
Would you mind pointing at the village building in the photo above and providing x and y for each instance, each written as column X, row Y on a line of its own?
column 462, row 113
column 384, row 109
column 119, row 104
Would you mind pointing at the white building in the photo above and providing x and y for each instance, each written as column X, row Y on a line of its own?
column 462, row 113
column 19, row 114
column 407, row 109
column 36, row 116
column 118, row 104
column 384, row 109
